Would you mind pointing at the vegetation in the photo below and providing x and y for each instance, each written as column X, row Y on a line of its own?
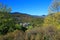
column 20, row 26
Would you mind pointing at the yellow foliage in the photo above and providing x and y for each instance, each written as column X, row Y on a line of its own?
column 52, row 20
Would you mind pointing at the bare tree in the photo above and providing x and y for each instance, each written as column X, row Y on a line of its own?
column 4, row 8
column 54, row 7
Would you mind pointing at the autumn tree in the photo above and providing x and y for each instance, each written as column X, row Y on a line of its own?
column 53, row 19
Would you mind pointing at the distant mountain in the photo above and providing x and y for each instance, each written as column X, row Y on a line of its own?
column 23, row 17
column 24, row 14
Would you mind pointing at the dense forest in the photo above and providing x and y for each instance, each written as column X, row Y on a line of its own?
column 22, row 26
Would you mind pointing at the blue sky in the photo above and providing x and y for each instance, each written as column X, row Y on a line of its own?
column 33, row 7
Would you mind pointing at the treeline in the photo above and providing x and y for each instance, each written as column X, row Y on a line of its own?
column 19, row 26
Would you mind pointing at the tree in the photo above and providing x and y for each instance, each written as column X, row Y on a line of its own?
column 53, row 19
column 54, row 7
column 4, row 8
column 7, row 23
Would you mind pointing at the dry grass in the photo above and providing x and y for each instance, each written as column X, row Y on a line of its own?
column 47, row 33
